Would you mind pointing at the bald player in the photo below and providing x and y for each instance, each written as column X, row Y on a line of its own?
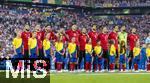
column 26, row 34
column 74, row 33
column 132, row 39
column 82, row 40
column 103, row 37
column 93, row 34
column 40, row 38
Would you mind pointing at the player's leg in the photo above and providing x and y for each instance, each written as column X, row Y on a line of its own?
column 41, row 53
column 110, row 62
column 87, row 64
column 90, row 62
column 58, row 61
column 72, row 64
column 95, row 63
column 144, row 63
column 124, row 63
column 106, row 59
column 135, row 63
column 113, row 62
column 26, row 57
column 148, row 64
column 120, row 62
column 15, row 61
column 66, row 59
column 130, row 61
column 116, row 59
column 80, row 59
column 48, row 60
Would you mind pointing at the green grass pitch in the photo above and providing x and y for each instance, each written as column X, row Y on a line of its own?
column 82, row 78
column 100, row 78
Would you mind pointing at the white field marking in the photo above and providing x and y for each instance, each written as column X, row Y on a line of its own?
column 90, row 74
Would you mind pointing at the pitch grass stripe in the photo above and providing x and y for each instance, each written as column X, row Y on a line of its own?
column 90, row 74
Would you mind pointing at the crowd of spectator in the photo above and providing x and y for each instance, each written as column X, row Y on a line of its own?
column 99, row 3
column 13, row 18
column 94, row 3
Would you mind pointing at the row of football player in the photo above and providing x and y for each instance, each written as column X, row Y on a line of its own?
column 90, row 52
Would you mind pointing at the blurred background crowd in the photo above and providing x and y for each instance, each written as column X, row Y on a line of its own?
column 13, row 18
column 94, row 3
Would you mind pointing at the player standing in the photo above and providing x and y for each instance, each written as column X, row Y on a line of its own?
column 94, row 37
column 103, row 37
column 114, row 36
column 132, row 39
column 82, row 40
column 74, row 33
column 25, row 37
column 40, row 38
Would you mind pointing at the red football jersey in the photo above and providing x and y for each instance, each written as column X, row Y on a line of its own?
column 132, row 38
column 82, row 40
column 52, row 36
column 114, row 36
column 25, row 36
column 94, row 36
column 74, row 34
column 103, row 37
column 64, row 39
column 40, row 38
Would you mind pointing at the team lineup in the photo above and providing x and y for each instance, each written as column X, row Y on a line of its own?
column 81, row 50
